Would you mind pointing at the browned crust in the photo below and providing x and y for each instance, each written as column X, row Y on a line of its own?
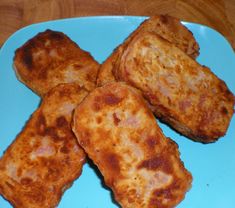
column 182, row 93
column 119, row 133
column 51, row 58
column 167, row 27
column 45, row 157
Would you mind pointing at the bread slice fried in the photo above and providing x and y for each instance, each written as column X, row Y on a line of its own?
column 184, row 94
column 51, row 58
column 167, row 27
column 120, row 134
column 45, row 157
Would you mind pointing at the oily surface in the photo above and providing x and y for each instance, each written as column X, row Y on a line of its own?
column 120, row 134
column 167, row 27
column 45, row 157
column 51, row 58
column 184, row 94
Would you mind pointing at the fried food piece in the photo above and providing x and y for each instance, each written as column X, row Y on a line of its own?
column 51, row 58
column 184, row 94
column 45, row 157
column 120, row 134
column 167, row 27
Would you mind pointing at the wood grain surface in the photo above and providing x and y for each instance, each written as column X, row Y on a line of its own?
column 218, row 14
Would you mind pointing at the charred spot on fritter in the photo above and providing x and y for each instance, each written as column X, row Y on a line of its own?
column 51, row 131
column 152, row 142
column 159, row 196
column 116, row 120
column 27, row 57
column 166, row 193
column 64, row 149
column 9, row 185
column 90, row 77
column 41, row 124
column 111, row 99
column 55, row 35
column 97, row 103
column 222, row 87
column 230, row 97
column 106, row 99
column 26, row 181
column 59, row 133
column 53, row 172
column 98, row 119
column 224, row 111
column 1, row 188
column 163, row 19
column 61, row 122
column 68, row 144
column 157, row 162
column 111, row 161
column 78, row 65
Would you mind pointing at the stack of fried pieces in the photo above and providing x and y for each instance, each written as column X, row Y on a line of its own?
column 105, row 112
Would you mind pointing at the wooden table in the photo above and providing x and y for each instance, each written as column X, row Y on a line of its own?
column 218, row 14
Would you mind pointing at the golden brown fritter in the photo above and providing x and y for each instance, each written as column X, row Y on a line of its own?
column 120, row 134
column 51, row 58
column 45, row 157
column 184, row 94
column 167, row 27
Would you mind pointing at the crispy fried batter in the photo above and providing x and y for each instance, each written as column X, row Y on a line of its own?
column 120, row 134
column 167, row 27
column 184, row 94
column 51, row 58
column 45, row 158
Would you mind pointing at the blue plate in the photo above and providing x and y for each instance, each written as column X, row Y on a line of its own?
column 212, row 165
